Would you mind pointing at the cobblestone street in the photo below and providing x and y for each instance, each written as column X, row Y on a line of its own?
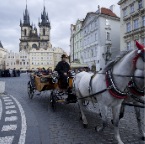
column 63, row 126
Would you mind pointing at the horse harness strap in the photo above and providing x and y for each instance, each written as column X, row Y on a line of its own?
column 134, row 89
column 90, row 83
column 90, row 96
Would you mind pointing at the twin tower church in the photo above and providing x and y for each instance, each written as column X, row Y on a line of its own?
column 30, row 38
column 35, row 49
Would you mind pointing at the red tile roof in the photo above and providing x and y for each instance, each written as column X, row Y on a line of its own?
column 107, row 11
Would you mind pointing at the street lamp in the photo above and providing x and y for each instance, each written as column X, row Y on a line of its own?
column 107, row 55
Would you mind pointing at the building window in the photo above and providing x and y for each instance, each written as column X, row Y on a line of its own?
column 44, row 32
column 107, row 22
column 143, row 41
column 95, row 36
column 128, row 27
column 108, row 49
column 143, row 21
column 136, row 24
column 25, row 32
column 140, row 4
column 108, row 36
column 34, row 46
column 124, row 12
column 132, row 8
column 128, row 44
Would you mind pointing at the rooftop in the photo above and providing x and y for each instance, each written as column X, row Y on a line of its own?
column 107, row 11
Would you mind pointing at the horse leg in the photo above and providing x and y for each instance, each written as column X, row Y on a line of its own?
column 103, row 113
column 121, row 115
column 116, row 112
column 83, row 117
column 140, row 126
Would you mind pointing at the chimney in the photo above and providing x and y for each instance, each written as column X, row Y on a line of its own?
column 112, row 8
column 99, row 10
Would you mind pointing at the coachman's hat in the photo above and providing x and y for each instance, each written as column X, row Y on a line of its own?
column 63, row 56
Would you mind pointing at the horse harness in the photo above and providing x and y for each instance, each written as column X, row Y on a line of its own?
column 112, row 88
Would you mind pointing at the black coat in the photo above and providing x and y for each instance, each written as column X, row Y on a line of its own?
column 62, row 67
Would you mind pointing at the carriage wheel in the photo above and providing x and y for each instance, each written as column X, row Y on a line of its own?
column 53, row 101
column 30, row 90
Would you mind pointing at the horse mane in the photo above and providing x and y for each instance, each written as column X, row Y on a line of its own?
column 117, row 58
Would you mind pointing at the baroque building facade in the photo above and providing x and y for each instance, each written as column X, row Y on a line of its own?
column 3, row 52
column 98, row 36
column 17, row 60
column 132, row 25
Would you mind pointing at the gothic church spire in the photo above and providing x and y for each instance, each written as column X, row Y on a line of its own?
column 44, row 19
column 26, row 18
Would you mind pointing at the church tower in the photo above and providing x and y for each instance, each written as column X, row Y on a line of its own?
column 26, row 28
column 44, row 28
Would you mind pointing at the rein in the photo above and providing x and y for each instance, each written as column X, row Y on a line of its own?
column 94, row 94
column 124, row 75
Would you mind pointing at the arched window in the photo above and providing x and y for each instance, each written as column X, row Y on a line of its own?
column 44, row 32
column 34, row 46
column 25, row 32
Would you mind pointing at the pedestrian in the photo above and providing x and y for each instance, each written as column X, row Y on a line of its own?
column 14, row 72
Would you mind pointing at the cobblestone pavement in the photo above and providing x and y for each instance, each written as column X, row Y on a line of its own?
column 63, row 126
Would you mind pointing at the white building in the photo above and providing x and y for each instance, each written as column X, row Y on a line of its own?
column 2, row 55
column 17, row 60
column 100, row 38
column 76, row 41
column 132, row 23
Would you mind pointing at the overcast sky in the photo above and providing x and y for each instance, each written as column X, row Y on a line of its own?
column 62, row 13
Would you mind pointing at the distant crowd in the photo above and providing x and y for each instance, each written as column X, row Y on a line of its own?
column 9, row 73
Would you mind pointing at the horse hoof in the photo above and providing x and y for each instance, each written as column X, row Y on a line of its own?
column 112, row 122
column 96, row 129
column 143, row 138
column 85, row 125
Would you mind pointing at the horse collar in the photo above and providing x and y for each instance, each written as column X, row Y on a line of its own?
column 113, row 90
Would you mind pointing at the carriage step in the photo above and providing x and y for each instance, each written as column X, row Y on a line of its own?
column 61, row 101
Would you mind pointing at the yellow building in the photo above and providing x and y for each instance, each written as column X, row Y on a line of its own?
column 41, row 58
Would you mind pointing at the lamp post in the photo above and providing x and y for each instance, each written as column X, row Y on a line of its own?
column 107, row 55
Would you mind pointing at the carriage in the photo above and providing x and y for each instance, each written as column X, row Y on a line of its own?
column 51, row 82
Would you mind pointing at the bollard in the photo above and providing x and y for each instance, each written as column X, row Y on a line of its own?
column 2, row 87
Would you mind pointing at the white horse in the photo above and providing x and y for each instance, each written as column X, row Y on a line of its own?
column 120, row 72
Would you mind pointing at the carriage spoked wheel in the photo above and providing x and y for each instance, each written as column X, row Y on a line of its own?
column 30, row 90
column 53, row 101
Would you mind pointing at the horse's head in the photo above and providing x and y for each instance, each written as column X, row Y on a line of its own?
column 139, row 62
column 141, row 50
